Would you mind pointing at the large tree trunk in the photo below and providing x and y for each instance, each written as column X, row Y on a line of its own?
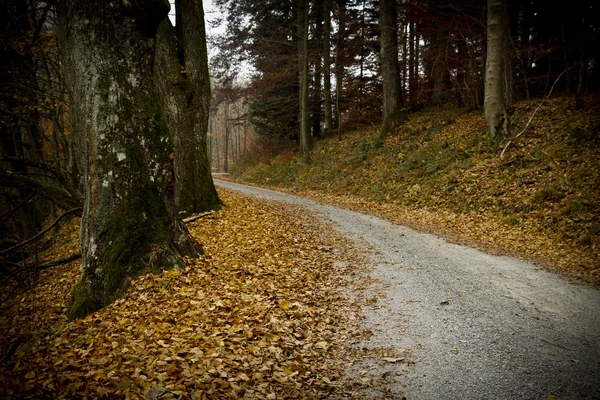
column 130, row 223
column 305, row 136
column 495, row 112
column 184, row 84
column 393, row 115
column 195, row 190
column 327, row 67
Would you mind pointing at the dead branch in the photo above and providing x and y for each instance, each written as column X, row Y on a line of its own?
column 42, row 233
column 59, row 195
column 12, row 348
column 62, row 261
column 197, row 216
column 533, row 115
column 15, row 208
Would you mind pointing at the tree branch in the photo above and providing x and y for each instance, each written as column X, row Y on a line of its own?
column 533, row 115
column 56, row 194
column 62, row 261
column 42, row 233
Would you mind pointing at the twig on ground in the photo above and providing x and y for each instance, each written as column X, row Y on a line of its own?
column 197, row 216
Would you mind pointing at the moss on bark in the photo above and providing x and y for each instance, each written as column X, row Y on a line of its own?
column 130, row 225
column 81, row 302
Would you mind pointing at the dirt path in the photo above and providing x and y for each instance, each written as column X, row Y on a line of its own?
column 479, row 326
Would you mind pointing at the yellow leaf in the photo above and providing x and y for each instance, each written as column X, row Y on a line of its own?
column 284, row 304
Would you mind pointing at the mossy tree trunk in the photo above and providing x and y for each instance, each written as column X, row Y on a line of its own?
column 130, row 223
column 184, row 84
column 393, row 115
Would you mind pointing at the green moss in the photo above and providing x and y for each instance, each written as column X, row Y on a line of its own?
column 137, row 241
column 132, row 222
column 82, row 303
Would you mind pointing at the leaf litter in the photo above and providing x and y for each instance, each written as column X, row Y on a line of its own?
column 264, row 314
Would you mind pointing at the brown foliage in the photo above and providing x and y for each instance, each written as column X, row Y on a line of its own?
column 259, row 316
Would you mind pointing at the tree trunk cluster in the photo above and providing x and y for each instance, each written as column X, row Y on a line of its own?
column 131, row 164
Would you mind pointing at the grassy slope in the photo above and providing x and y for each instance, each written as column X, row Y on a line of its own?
column 540, row 201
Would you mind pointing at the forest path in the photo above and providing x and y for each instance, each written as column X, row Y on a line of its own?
column 479, row 326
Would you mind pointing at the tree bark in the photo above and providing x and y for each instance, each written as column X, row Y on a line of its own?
column 226, row 122
column 495, row 112
column 316, row 102
column 305, row 136
column 340, row 59
column 412, row 75
column 184, row 84
column 327, row 67
column 393, row 116
column 130, row 223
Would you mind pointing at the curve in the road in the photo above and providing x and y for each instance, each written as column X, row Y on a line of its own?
column 480, row 326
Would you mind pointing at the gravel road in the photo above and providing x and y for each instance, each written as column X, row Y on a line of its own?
column 479, row 326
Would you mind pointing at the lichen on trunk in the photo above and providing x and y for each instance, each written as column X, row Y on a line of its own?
column 130, row 224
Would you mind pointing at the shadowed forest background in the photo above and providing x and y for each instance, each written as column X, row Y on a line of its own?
column 477, row 120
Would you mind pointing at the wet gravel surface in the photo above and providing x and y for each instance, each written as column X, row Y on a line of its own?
column 479, row 326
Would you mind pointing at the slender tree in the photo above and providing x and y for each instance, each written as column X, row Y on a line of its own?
column 227, row 136
column 305, row 134
column 393, row 115
column 327, row 67
column 317, row 86
column 340, row 59
column 130, row 223
column 495, row 112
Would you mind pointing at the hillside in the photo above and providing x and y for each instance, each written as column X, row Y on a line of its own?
column 438, row 173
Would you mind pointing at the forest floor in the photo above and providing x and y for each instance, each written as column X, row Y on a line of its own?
column 439, row 174
column 477, row 326
column 260, row 315
column 308, row 301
